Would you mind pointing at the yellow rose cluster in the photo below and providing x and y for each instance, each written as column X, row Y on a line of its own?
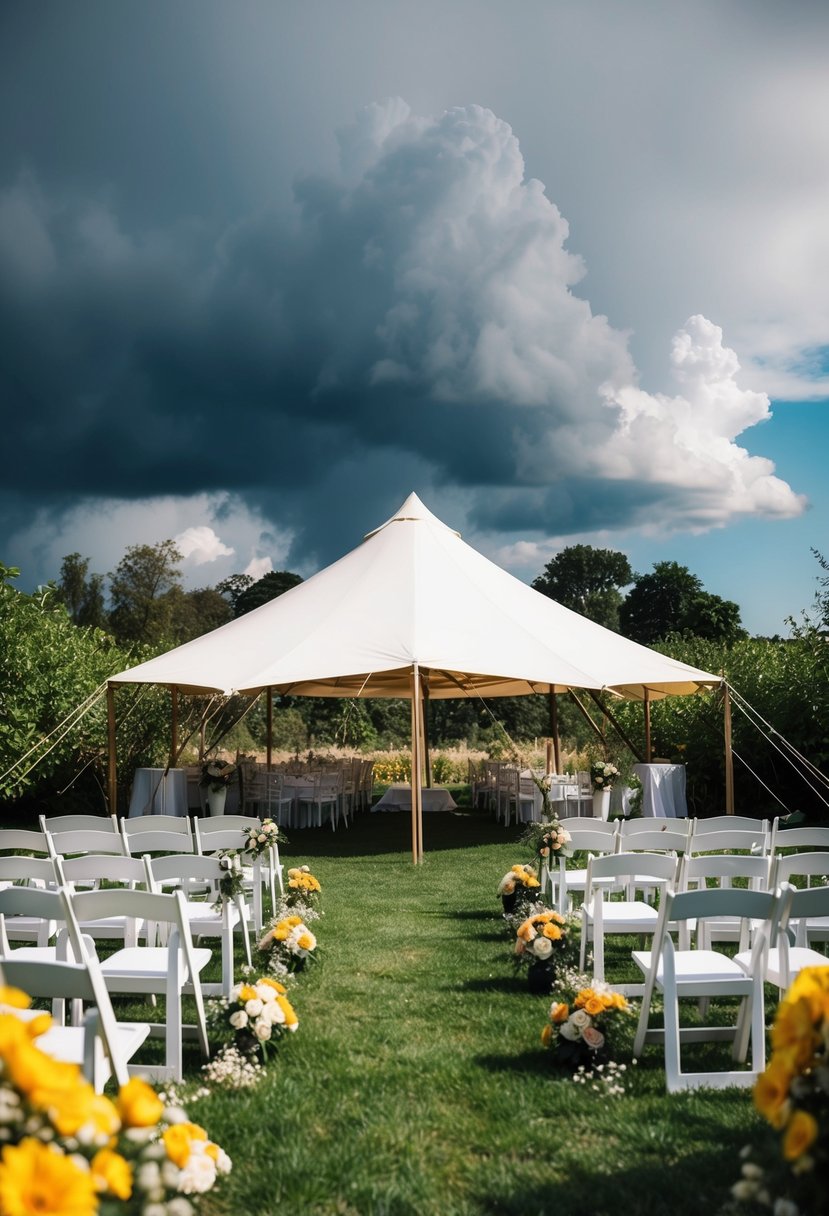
column 540, row 935
column 791, row 1094
column 301, row 879
column 289, row 942
column 518, row 876
column 577, row 1028
column 69, row 1149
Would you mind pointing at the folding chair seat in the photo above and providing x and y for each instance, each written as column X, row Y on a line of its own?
column 785, row 959
column 703, row 974
column 172, row 971
column 603, row 914
column 102, row 1046
column 194, row 873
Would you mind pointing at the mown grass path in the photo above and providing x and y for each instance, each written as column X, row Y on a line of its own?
column 416, row 1084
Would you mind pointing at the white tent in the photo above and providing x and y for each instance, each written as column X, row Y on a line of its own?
column 414, row 604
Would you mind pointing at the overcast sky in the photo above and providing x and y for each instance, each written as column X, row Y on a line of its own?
column 560, row 266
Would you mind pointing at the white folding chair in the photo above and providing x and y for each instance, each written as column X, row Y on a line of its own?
column 193, row 873
column 325, row 799
column 30, row 872
column 89, row 872
column 785, row 959
column 78, row 823
column 723, row 870
column 732, row 840
column 566, row 881
column 172, row 971
column 136, row 844
column 798, row 838
column 706, row 973
column 84, row 840
column 814, row 868
column 258, row 874
column 23, row 840
column 603, row 914
column 102, row 1046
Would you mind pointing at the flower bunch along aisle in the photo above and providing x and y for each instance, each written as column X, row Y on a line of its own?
column 68, row 1150
column 255, row 1017
column 288, row 944
column 584, row 1020
column 519, row 885
column 788, row 1173
column 544, row 942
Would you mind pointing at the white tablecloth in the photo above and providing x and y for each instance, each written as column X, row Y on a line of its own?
column 153, row 793
column 399, row 798
column 663, row 790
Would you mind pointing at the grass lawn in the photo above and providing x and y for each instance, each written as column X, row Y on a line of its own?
column 416, row 1084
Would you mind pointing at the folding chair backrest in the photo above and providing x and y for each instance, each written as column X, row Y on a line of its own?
column 33, row 871
column 802, row 838
column 23, row 840
column 186, row 867
column 158, row 842
column 661, row 868
column 63, row 844
column 156, row 823
column 229, row 838
column 668, row 840
column 746, row 840
column 155, row 907
column 723, row 869
column 102, row 867
column 77, row 823
column 636, row 827
column 796, row 865
column 727, row 823
column 220, row 823
column 591, row 840
column 34, row 903
column 607, row 827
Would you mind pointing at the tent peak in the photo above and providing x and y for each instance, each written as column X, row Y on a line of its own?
column 412, row 510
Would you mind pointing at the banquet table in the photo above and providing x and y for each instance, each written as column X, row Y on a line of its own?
column 158, row 791
column 399, row 798
column 663, row 790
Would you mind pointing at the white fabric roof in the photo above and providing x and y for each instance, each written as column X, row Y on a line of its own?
column 413, row 591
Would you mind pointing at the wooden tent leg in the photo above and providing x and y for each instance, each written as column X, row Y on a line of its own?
column 729, row 755
column 112, row 772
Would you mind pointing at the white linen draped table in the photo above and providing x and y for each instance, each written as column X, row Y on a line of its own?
column 158, row 791
column 399, row 798
column 663, row 790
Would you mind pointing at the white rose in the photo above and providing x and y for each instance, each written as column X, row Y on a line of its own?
column 253, row 1007
column 262, row 1029
column 581, row 1019
column 262, row 838
column 568, row 1031
column 265, row 993
column 198, row 1175
column 542, row 947
column 239, row 1019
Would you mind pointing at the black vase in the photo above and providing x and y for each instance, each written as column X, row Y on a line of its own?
column 541, row 976
column 509, row 901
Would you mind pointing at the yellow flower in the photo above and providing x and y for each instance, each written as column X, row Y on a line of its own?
column 282, row 931
column 178, row 1138
column 594, row 1006
column 80, row 1107
column 33, row 1072
column 553, row 932
column 14, row 997
column 526, row 931
column 546, row 1035
column 794, row 1032
column 287, row 1008
column 275, row 984
column 138, row 1104
column 801, row 1133
column 112, row 1173
column 247, row 993
column 306, row 941
column 38, row 1180
column 559, row 1012
column 292, row 921
column 771, row 1091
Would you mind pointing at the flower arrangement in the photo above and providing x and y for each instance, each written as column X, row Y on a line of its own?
column 260, row 839
column 303, row 888
column 232, row 881
column 217, row 774
column 580, row 1027
column 792, row 1095
column 602, row 775
column 547, row 839
column 520, row 881
column 543, row 937
column 254, row 1017
column 68, row 1149
column 289, row 944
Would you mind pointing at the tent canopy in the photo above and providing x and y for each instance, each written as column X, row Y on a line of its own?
column 414, row 593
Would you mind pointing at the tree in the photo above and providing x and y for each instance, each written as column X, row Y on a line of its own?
column 587, row 580
column 233, row 586
column 140, row 591
column 82, row 592
column 268, row 587
column 672, row 600
column 822, row 598
column 197, row 612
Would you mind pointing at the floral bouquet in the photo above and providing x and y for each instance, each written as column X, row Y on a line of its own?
column 68, row 1149
column 232, row 881
column 303, row 888
column 289, row 944
column 254, row 1016
column 580, row 1027
column 259, row 839
column 547, row 839
column 519, row 885
column 602, row 775
column 792, row 1095
column 544, row 937
column 217, row 774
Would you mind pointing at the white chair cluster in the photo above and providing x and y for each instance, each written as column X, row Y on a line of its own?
column 302, row 795
column 513, row 795
column 151, row 887
column 727, row 880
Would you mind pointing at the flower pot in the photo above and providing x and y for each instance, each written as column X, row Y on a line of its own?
column 541, row 976
column 216, row 800
column 601, row 804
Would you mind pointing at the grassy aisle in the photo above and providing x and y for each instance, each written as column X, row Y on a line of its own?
column 416, row 1085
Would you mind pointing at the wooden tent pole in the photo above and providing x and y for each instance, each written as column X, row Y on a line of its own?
column 112, row 774
column 415, row 760
column 427, row 759
column 554, row 731
column 647, row 704
column 729, row 756
column 269, row 723
column 174, row 724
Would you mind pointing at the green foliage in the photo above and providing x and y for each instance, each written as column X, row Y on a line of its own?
column 672, row 600
column 587, row 580
column 141, row 591
column 267, row 588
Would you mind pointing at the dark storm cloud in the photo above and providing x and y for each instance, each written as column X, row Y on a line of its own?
column 413, row 325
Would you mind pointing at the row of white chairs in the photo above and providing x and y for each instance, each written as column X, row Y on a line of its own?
column 71, row 971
